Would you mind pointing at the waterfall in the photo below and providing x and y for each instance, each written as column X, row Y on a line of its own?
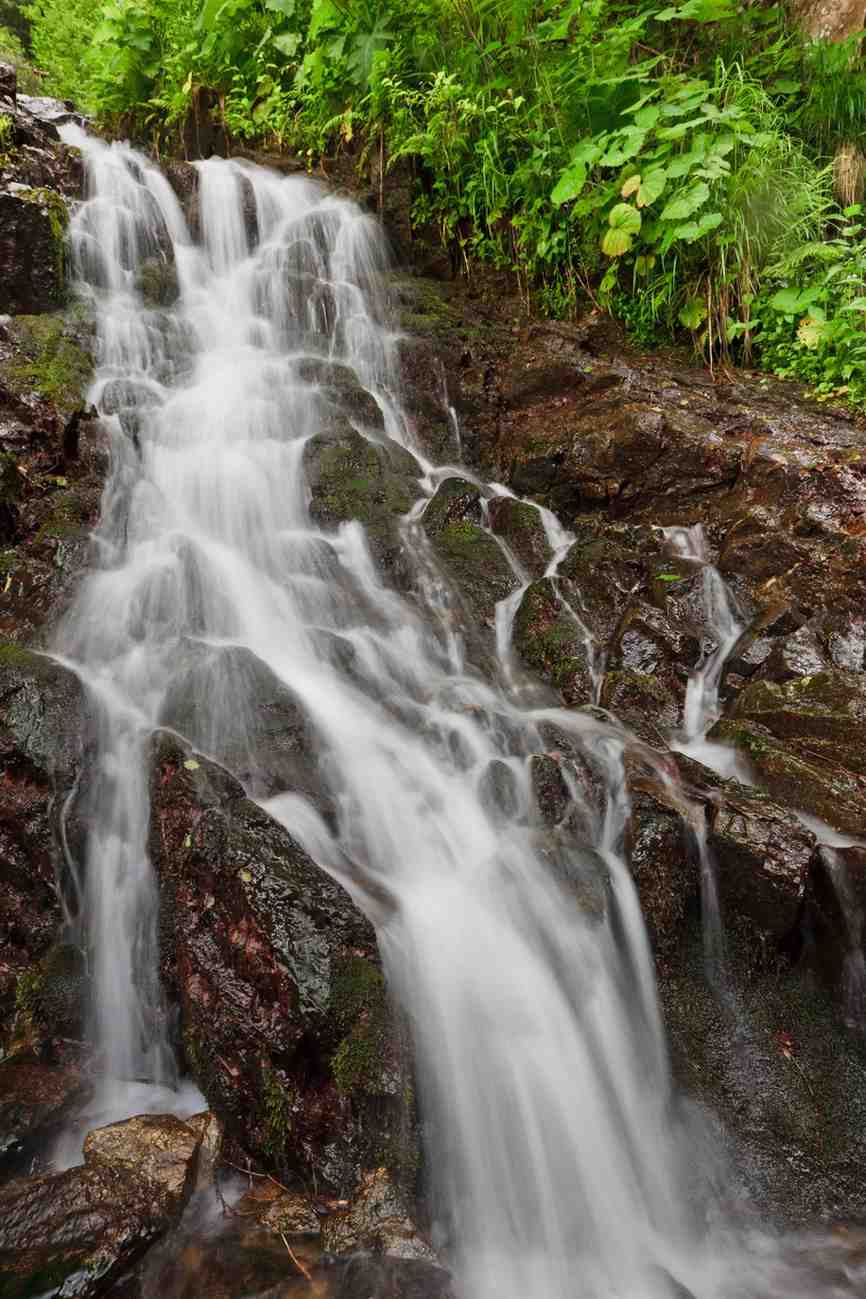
column 559, row 1166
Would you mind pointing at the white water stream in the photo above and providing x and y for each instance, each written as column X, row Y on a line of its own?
column 561, row 1170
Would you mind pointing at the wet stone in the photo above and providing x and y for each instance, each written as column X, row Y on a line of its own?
column 34, row 1100
column 549, row 642
column 377, row 1220
column 519, row 525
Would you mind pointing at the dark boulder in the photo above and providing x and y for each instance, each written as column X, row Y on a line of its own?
column 76, row 1232
column 32, row 233
column 35, row 1098
column 519, row 525
column 44, row 737
column 469, row 556
column 286, row 1025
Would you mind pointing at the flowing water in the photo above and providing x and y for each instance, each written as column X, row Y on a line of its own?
column 561, row 1167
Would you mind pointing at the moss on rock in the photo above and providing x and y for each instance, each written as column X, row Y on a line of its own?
column 47, row 360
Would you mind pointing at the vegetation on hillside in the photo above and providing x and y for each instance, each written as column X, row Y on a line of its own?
column 683, row 163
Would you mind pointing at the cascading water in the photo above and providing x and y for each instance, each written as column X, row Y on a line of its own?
column 560, row 1169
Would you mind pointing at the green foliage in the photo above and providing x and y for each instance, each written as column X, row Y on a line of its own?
column 809, row 320
column 12, row 51
column 669, row 159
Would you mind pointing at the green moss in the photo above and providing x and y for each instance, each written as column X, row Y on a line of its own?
column 359, row 1005
column 9, row 560
column 15, row 656
column 278, row 1103
column 51, row 362
column 67, row 518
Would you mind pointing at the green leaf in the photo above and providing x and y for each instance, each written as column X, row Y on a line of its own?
column 691, row 231
column 668, row 577
column 856, row 304
column 686, row 202
column 652, row 186
column 631, row 186
column 569, row 185
column 811, row 332
column 284, row 7
column 624, row 222
column 693, row 314
column 287, row 43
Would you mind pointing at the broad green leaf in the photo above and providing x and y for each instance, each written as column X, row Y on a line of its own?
column 287, row 43
column 625, row 222
column 631, row 186
column 569, row 185
column 691, row 231
column 647, row 117
column 792, row 301
column 856, row 304
column 693, row 314
column 811, row 332
column 652, row 186
column 686, row 202
column 284, row 7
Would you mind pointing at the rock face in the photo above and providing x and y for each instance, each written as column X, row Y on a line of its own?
column 285, row 1021
column 44, row 731
column 32, row 230
column 76, row 1232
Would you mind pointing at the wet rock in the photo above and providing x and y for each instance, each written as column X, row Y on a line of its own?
column 340, row 385
column 761, row 851
column 519, row 525
column 469, row 556
column 799, row 654
column 231, row 706
column 50, row 995
column 828, row 791
column 159, row 1148
column 662, row 858
column 32, row 231
column 549, row 786
column 34, row 1100
column 156, row 281
column 286, row 1026
column 44, row 737
column 76, row 1232
column 377, row 1220
column 784, row 1078
column 643, row 704
column 291, row 1214
column 370, row 1277
column 832, row 922
column 823, row 714
column 373, row 482
column 551, row 642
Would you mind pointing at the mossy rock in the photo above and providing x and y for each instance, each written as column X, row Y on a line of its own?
column 48, row 360
column 519, row 525
column 373, row 483
column 363, row 1061
column 33, row 223
column 50, row 995
column 549, row 641
column 469, row 555
column 828, row 791
column 643, row 703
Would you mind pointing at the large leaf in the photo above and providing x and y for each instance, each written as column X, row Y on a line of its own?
column 284, row 7
column 790, row 302
column 693, row 314
column 686, row 202
column 652, row 186
column 624, row 222
column 573, row 179
column 287, row 43
column 698, row 11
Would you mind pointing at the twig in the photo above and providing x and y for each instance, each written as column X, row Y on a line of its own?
column 297, row 1262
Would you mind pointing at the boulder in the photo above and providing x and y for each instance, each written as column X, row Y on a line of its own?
column 285, row 1022
column 76, row 1232
column 550, row 641
column 35, row 1098
column 377, row 1220
column 469, row 556
column 830, row 792
column 373, row 482
column 32, row 234
column 519, row 525
column 44, row 738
